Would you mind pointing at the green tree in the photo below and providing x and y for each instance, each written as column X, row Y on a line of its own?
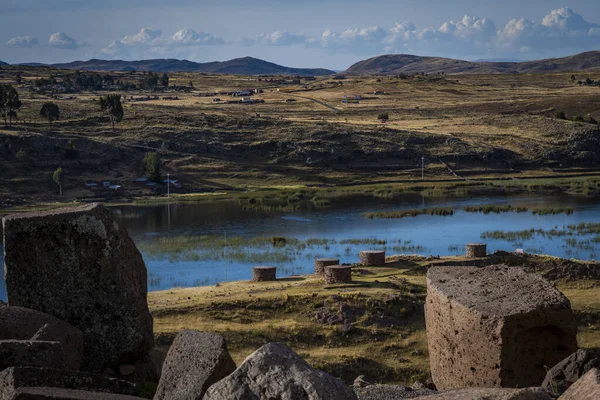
column 50, row 111
column 9, row 103
column 18, row 78
column 70, row 151
column 561, row 115
column 164, row 80
column 383, row 117
column 58, row 177
column 21, row 155
column 111, row 104
column 152, row 165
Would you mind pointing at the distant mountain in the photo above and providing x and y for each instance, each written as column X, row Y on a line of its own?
column 238, row 66
column 3, row 63
column 409, row 64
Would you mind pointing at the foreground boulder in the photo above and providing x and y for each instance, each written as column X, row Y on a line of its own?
column 586, row 388
column 16, row 380
column 31, row 353
column 46, row 393
column 80, row 266
column 390, row 392
column 492, row 394
column 18, row 323
column 194, row 362
column 568, row 371
column 276, row 372
column 495, row 327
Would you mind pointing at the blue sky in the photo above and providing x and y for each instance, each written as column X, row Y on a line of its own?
column 309, row 33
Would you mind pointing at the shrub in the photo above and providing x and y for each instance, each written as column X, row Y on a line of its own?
column 561, row 115
column 383, row 117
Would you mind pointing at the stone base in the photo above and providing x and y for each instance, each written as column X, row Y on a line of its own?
column 338, row 274
column 264, row 274
column 372, row 258
column 476, row 250
column 321, row 263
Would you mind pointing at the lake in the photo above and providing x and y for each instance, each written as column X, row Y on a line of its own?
column 202, row 244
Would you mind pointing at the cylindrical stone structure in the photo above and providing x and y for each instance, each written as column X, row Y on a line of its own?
column 372, row 258
column 476, row 250
column 264, row 274
column 338, row 274
column 321, row 263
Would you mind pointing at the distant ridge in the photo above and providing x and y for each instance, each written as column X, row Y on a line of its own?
column 392, row 64
column 237, row 66
column 3, row 63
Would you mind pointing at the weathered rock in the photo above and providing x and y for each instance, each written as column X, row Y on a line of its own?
column 586, row 388
column 492, row 394
column 570, row 370
column 25, row 324
column 194, row 362
column 73, row 351
column 494, row 327
column 148, row 368
column 361, row 382
column 390, row 392
column 28, row 353
column 46, row 393
column 276, row 372
column 12, row 379
column 80, row 266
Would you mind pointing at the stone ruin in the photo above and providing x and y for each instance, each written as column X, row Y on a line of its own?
column 338, row 274
column 372, row 258
column 495, row 327
column 77, row 300
column 322, row 263
column 78, row 265
column 264, row 274
column 476, row 250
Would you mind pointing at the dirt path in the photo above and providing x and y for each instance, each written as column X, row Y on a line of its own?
column 332, row 108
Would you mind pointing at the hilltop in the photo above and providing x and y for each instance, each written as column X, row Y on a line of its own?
column 237, row 66
column 3, row 63
column 410, row 64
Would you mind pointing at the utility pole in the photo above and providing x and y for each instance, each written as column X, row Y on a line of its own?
column 168, row 186
column 422, row 168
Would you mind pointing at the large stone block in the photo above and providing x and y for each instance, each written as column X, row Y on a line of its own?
column 45, row 393
column 492, row 394
column 586, row 388
column 80, row 266
column 13, row 380
column 25, row 324
column 194, row 362
column 495, row 327
column 276, row 372
column 30, row 353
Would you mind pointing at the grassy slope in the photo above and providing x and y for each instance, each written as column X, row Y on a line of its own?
column 250, row 314
column 479, row 125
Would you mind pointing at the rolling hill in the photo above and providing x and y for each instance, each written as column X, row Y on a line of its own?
column 3, row 63
column 409, row 64
column 238, row 66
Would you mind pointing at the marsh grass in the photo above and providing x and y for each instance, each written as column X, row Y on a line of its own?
column 409, row 213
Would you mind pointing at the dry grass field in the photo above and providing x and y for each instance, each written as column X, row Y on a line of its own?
column 467, row 127
column 387, row 342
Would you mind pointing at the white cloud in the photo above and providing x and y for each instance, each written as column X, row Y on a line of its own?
column 61, row 40
column 189, row 37
column 145, row 36
column 151, row 43
column 560, row 29
column 22, row 41
column 277, row 38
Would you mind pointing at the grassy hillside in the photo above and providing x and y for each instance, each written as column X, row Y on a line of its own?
column 238, row 66
column 409, row 64
column 305, row 133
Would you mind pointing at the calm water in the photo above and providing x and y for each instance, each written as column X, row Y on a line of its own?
column 426, row 235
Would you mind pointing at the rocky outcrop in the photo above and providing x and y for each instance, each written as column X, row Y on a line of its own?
column 31, row 353
column 276, row 372
column 492, row 394
column 46, row 393
column 18, row 323
column 586, row 388
column 494, row 327
column 389, row 392
column 195, row 361
column 560, row 377
column 15, row 380
column 77, row 264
